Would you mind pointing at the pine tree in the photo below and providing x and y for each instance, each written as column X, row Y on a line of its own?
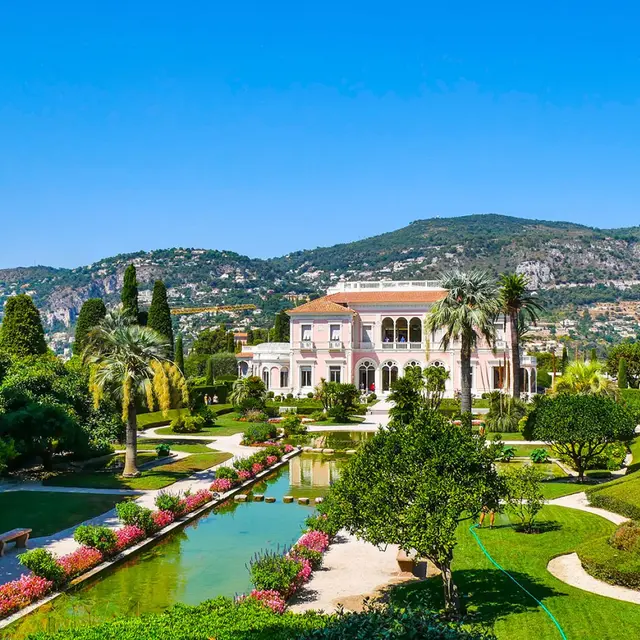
column 159, row 313
column 565, row 358
column 21, row 333
column 129, row 295
column 623, row 382
column 209, row 372
column 179, row 354
column 91, row 314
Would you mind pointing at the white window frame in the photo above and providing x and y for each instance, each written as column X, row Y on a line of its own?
column 304, row 336
column 337, row 336
column 304, row 370
column 335, row 369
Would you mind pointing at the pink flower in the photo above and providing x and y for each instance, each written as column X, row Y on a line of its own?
column 305, row 572
column 79, row 561
column 245, row 475
column 221, row 485
column 271, row 460
column 128, row 536
column 316, row 540
column 269, row 598
column 196, row 500
column 288, row 448
column 256, row 468
column 20, row 593
column 162, row 518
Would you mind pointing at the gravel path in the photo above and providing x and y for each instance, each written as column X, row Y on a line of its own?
column 579, row 501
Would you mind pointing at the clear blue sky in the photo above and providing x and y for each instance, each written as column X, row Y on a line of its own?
column 265, row 127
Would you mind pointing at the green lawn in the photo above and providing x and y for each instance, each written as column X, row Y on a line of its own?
column 336, row 423
column 550, row 470
column 635, row 452
column 118, row 460
column 493, row 599
column 226, row 425
column 175, row 445
column 524, row 450
column 505, row 436
column 157, row 418
column 47, row 512
column 621, row 495
column 155, row 478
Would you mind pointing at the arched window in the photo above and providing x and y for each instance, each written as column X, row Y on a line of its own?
column 437, row 363
column 402, row 331
column 284, row 378
column 387, row 330
column 367, row 376
column 415, row 330
column 265, row 377
column 412, row 363
column 389, row 374
column 243, row 369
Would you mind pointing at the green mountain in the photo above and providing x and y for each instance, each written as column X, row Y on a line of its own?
column 566, row 261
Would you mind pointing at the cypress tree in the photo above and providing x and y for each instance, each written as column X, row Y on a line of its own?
column 21, row 333
column 249, row 336
column 623, row 382
column 209, row 371
column 179, row 354
column 159, row 313
column 281, row 327
column 594, row 355
column 129, row 295
column 91, row 314
column 565, row 359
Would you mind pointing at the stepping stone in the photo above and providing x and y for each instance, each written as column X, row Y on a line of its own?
column 240, row 497
column 319, row 500
column 317, row 450
column 270, row 499
column 303, row 500
column 350, row 451
column 307, row 448
column 287, row 499
column 328, row 451
column 259, row 497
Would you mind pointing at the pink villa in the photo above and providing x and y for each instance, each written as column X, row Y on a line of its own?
column 367, row 333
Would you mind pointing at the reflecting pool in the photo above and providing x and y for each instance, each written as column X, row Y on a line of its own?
column 206, row 559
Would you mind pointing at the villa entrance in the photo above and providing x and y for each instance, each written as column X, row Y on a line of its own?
column 367, row 376
column 389, row 375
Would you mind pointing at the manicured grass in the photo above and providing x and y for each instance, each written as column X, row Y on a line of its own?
column 493, row 599
column 47, row 512
column 634, row 447
column 621, row 495
column 612, row 565
column 153, row 419
column 226, row 425
column 558, row 488
column 505, row 436
column 549, row 469
column 155, row 478
column 118, row 460
column 187, row 447
column 336, row 423
column 524, row 450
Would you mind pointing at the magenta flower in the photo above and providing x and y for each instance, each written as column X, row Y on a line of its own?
column 269, row 598
column 17, row 594
column 315, row 540
column 79, row 561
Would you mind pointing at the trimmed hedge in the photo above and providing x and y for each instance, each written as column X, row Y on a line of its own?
column 621, row 496
column 220, row 389
column 611, row 565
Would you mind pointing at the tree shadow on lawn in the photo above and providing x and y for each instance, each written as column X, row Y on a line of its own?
column 487, row 593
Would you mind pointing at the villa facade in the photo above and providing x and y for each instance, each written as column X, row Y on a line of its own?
column 367, row 333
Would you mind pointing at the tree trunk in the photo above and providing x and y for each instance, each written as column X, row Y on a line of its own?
column 515, row 355
column 130, row 468
column 452, row 603
column 465, row 375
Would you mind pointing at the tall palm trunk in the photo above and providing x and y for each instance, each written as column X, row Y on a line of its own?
column 515, row 354
column 130, row 467
column 465, row 374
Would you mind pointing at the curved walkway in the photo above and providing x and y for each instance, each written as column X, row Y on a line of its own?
column 579, row 501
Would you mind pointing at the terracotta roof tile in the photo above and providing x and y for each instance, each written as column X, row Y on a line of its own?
column 321, row 306
column 397, row 297
column 245, row 354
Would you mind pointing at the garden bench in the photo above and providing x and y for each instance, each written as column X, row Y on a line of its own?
column 19, row 536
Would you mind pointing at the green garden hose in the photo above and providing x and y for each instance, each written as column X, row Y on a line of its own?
column 486, row 553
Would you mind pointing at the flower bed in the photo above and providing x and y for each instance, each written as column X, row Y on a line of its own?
column 102, row 543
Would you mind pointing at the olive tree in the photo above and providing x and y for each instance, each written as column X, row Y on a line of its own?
column 411, row 484
column 579, row 426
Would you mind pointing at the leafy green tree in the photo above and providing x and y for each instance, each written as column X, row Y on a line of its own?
column 131, row 362
column 520, row 307
column 224, row 364
column 21, row 333
column 585, row 378
column 623, row 382
column 244, row 389
column 579, row 426
column 160, row 314
column 630, row 351
column 7, row 453
column 412, row 484
column 467, row 312
column 524, row 495
column 91, row 314
column 209, row 374
column 129, row 295
column 179, row 354
column 505, row 412
column 281, row 327
column 210, row 341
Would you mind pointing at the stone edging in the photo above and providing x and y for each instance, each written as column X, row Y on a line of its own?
column 147, row 542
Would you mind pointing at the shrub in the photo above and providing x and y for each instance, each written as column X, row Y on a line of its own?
column 251, row 404
column 320, row 522
column 168, row 501
column 258, row 433
column 194, row 501
column 101, row 538
column 163, row 450
column 508, row 453
column 299, row 552
column 79, row 561
column 292, row 425
column 187, row 424
column 626, row 537
column 289, row 396
column 505, row 413
column 44, row 565
column 539, row 455
column 315, row 540
column 255, row 415
column 269, row 598
column 129, row 535
column 524, row 495
column 610, row 564
column 318, row 416
column 273, row 450
column 17, row 594
column 372, row 397
column 310, row 395
column 273, row 571
column 227, row 472
column 131, row 513
column 270, row 395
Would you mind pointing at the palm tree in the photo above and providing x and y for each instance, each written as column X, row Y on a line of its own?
column 131, row 363
column 585, row 378
column 467, row 313
column 244, row 389
column 520, row 307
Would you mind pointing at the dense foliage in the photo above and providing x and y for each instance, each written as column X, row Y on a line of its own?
column 630, row 353
column 21, row 333
column 91, row 314
column 160, row 315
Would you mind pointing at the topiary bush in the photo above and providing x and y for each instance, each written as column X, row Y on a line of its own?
column 270, row 570
column 44, row 565
column 163, row 450
column 256, row 433
column 626, row 537
column 187, row 424
column 101, row 538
